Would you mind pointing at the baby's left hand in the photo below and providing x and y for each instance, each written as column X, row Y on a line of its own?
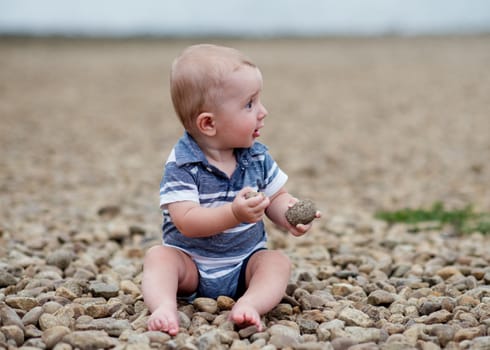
column 300, row 229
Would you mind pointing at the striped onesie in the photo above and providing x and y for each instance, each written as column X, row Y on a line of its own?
column 188, row 176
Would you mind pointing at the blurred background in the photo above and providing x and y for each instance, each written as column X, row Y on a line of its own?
column 243, row 18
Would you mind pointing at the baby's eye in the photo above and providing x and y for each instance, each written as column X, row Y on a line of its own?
column 249, row 104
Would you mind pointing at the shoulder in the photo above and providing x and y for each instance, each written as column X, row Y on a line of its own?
column 186, row 151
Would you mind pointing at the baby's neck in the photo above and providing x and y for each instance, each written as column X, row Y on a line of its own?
column 224, row 160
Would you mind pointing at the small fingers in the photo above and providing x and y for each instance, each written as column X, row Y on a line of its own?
column 303, row 228
column 292, row 202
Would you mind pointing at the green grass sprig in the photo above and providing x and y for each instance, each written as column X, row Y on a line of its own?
column 464, row 220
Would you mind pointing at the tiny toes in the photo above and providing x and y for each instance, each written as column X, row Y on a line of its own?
column 173, row 331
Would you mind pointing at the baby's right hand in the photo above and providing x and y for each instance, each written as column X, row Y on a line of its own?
column 249, row 208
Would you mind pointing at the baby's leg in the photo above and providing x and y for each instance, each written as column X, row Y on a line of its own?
column 166, row 271
column 267, row 276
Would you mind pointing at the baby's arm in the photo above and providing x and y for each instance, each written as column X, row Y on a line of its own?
column 195, row 221
column 280, row 202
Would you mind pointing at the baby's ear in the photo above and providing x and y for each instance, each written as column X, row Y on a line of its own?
column 206, row 124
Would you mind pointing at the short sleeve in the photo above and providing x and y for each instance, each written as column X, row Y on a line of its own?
column 275, row 178
column 178, row 184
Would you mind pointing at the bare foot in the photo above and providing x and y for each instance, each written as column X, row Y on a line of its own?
column 165, row 318
column 244, row 314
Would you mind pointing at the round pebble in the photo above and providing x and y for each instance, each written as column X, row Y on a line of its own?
column 302, row 212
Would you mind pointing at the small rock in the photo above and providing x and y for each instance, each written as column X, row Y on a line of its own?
column 314, row 315
column 98, row 310
column 380, row 297
column 184, row 320
column 51, row 307
column 206, row 305
column 441, row 316
column 9, row 317
column 444, row 333
column 109, row 325
column 53, row 336
column 279, row 329
column 118, row 231
column 7, row 279
column 104, row 290
column 13, row 332
column 468, row 301
column 209, row 340
column 307, row 326
column 468, row 333
column 66, row 316
column 481, row 343
column 31, row 331
column 157, row 337
column 137, row 339
column 47, row 321
column 66, row 293
column 89, row 340
column 345, row 259
column 282, row 341
column 414, row 332
column 345, row 274
column 334, row 324
column 429, row 306
column 225, row 303
column 61, row 258
column 363, row 335
column 323, row 332
column 109, row 211
column 247, row 331
column 342, row 343
column 342, row 289
column 281, row 310
column 448, row 271
column 33, row 344
column 129, row 287
column 448, row 304
column 486, row 277
column 32, row 316
column 354, row 317
column 72, row 288
column 302, row 212
column 22, row 303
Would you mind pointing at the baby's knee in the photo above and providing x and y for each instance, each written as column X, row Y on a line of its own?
column 155, row 254
column 280, row 259
column 283, row 257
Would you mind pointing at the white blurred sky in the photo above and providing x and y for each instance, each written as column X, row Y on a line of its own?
column 252, row 17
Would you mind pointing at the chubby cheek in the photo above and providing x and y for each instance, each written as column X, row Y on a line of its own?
column 245, row 135
column 250, row 128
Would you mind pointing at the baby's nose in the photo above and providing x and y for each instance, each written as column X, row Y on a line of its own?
column 263, row 113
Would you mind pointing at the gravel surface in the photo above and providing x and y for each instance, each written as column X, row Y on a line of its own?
column 358, row 124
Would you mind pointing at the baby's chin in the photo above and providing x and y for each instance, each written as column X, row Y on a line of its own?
column 246, row 145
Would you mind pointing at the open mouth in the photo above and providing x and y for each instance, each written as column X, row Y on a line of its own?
column 257, row 131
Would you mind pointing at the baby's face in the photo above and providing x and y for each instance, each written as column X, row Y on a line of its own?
column 240, row 113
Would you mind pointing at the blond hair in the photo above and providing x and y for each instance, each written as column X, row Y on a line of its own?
column 197, row 77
